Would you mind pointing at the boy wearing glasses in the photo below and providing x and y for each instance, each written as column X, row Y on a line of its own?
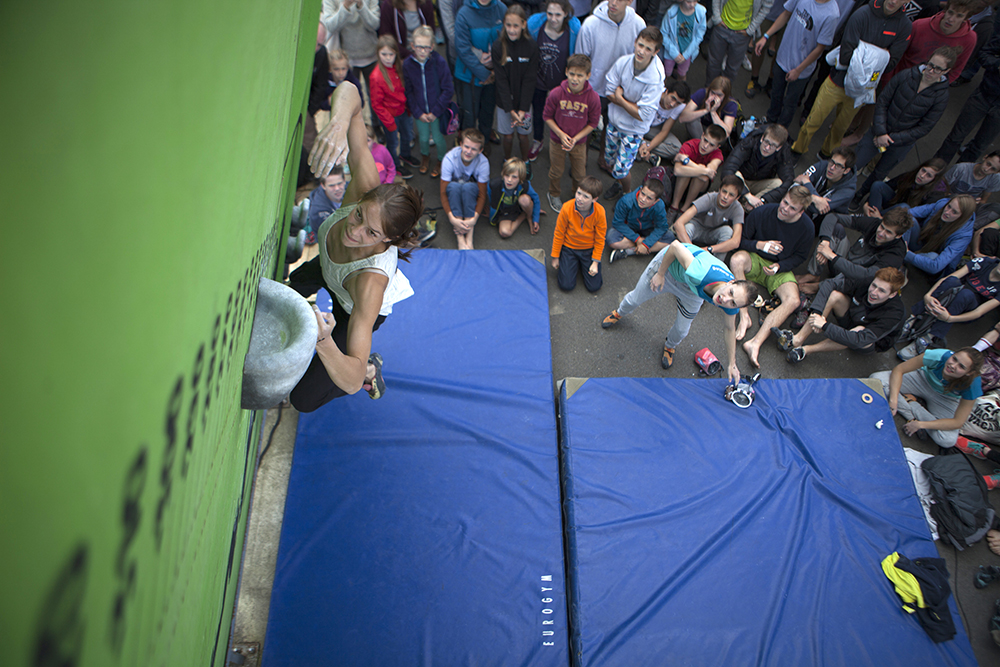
column 763, row 161
column 831, row 182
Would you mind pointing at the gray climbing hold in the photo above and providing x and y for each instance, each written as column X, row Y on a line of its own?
column 282, row 344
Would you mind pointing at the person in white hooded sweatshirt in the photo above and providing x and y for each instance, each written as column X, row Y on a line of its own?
column 633, row 89
column 608, row 34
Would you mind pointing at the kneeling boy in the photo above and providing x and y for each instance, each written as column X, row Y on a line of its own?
column 579, row 238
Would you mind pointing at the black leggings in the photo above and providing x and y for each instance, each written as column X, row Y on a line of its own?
column 316, row 389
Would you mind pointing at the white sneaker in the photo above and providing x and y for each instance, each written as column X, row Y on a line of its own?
column 916, row 348
column 746, row 63
column 554, row 204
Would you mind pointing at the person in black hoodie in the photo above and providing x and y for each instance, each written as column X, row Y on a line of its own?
column 909, row 107
column 515, row 64
column 763, row 161
column 880, row 24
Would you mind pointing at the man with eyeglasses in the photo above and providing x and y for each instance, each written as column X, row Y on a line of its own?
column 763, row 161
column 831, row 182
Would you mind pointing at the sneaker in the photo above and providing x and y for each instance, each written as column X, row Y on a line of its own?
column 753, row 88
column 427, row 230
column 403, row 170
column 672, row 215
column 614, row 190
column 611, row 320
column 992, row 481
column 410, row 160
column 986, row 575
column 795, row 355
column 769, row 306
column 494, row 138
column 536, row 148
column 855, row 206
column 914, row 349
column 747, row 64
column 378, row 383
column 668, row 357
column 654, row 160
column 555, row 204
column 616, row 255
column 971, row 447
column 784, row 338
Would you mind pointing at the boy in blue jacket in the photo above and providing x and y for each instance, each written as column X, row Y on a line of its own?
column 512, row 199
column 640, row 223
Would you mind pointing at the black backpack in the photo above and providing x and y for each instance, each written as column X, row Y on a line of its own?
column 961, row 509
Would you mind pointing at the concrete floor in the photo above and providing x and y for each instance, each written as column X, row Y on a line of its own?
column 580, row 348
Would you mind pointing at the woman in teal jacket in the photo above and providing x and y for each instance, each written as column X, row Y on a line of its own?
column 477, row 25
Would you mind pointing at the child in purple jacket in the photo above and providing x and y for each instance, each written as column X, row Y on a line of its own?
column 429, row 88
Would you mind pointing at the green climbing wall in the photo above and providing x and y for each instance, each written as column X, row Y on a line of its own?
column 149, row 153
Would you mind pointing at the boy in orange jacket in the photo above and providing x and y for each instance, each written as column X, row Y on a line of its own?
column 579, row 237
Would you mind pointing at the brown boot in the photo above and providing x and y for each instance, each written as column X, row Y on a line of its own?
column 425, row 163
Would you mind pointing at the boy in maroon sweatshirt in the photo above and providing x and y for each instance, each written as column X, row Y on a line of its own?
column 572, row 111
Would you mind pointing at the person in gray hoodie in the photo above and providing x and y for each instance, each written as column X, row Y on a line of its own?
column 634, row 85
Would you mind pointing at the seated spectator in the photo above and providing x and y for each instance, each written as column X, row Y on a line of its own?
column 922, row 185
column 973, row 290
column 986, row 240
column 710, row 106
column 383, row 158
column 572, row 111
column 695, row 166
column 949, row 384
column 512, row 199
column 981, row 180
column 640, row 223
column 660, row 141
column 906, row 110
column 715, row 220
column 693, row 276
column 465, row 173
column 880, row 245
column 683, row 28
column 940, row 234
column 578, row 241
column 324, row 200
column 763, row 162
column 831, row 183
column 429, row 89
column 776, row 239
column 868, row 313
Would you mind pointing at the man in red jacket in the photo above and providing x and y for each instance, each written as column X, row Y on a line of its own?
column 946, row 28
